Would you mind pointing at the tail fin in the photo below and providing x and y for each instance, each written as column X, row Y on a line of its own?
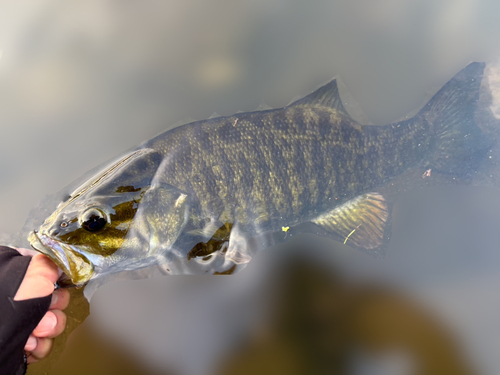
column 460, row 144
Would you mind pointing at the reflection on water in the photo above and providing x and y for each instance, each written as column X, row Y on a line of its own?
column 81, row 82
column 340, row 313
column 87, row 352
column 318, row 323
column 323, row 325
column 76, row 313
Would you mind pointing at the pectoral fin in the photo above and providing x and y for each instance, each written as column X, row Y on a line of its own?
column 360, row 222
column 163, row 213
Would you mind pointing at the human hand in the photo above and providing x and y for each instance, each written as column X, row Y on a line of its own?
column 39, row 281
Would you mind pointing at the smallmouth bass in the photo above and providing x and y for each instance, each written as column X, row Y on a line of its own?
column 204, row 197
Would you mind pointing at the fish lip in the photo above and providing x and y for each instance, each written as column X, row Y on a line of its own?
column 64, row 281
column 57, row 257
column 60, row 254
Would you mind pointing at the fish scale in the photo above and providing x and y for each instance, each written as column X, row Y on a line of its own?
column 364, row 155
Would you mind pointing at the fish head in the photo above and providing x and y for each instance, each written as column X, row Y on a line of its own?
column 86, row 233
column 103, row 227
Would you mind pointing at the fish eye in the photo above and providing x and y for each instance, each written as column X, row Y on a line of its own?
column 93, row 219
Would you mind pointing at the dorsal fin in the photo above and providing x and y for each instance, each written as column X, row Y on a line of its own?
column 263, row 107
column 327, row 96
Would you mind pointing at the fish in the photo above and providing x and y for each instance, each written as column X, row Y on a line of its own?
column 204, row 197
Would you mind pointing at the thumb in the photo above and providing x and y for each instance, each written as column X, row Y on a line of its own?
column 39, row 279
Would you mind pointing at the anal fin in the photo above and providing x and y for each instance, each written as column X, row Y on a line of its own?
column 359, row 223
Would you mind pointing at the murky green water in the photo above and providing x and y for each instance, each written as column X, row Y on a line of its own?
column 82, row 82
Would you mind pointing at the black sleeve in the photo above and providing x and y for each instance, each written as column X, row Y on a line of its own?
column 17, row 318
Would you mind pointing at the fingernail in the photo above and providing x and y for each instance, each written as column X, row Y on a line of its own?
column 30, row 344
column 46, row 325
column 55, row 297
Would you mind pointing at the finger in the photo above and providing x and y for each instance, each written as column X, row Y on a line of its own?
column 52, row 324
column 30, row 344
column 39, row 279
column 30, row 359
column 60, row 299
column 45, row 267
column 42, row 350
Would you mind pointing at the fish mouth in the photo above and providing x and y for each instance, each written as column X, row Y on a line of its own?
column 77, row 269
